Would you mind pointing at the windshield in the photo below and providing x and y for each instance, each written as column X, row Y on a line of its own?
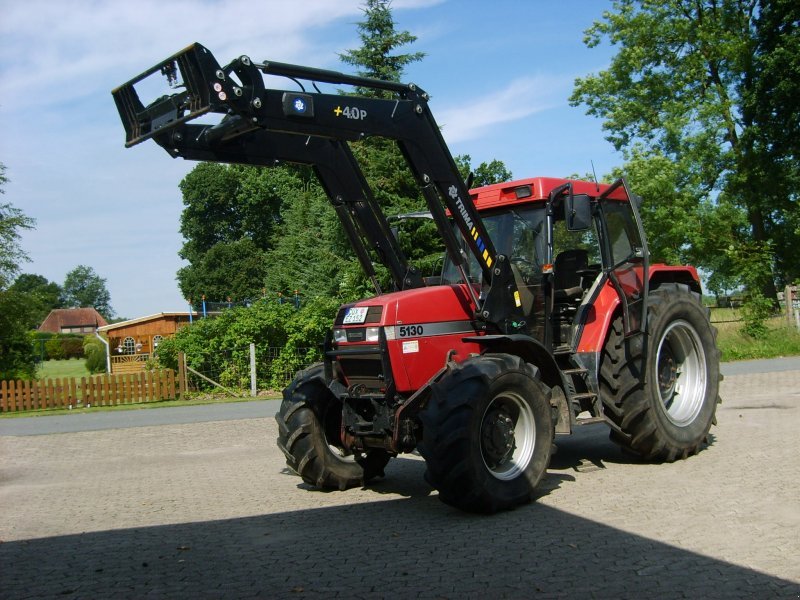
column 517, row 233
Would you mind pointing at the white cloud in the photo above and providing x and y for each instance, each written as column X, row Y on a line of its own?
column 521, row 98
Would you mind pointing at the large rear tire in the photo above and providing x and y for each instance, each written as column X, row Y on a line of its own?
column 309, row 422
column 664, row 409
column 487, row 433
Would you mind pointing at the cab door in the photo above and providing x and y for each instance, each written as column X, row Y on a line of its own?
column 625, row 255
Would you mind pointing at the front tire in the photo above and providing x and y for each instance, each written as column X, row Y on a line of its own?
column 309, row 422
column 487, row 433
column 664, row 409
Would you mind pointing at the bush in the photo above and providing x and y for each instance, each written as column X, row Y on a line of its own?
column 95, row 352
column 755, row 312
column 219, row 347
column 54, row 349
column 60, row 346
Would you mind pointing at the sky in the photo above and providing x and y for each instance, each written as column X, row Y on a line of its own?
column 499, row 74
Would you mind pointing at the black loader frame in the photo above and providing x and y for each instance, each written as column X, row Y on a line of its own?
column 262, row 126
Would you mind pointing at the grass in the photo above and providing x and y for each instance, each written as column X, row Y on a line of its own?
column 56, row 369
column 781, row 340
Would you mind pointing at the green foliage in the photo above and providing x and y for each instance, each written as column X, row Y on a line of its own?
column 679, row 91
column 18, row 355
column 749, row 260
column 43, row 294
column 221, row 345
column 54, row 349
column 62, row 346
column 495, row 171
column 235, row 270
column 12, row 221
column 85, row 288
column 755, row 312
column 375, row 58
column 778, row 340
column 95, row 352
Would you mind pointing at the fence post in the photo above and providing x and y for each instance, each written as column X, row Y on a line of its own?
column 181, row 375
column 253, row 390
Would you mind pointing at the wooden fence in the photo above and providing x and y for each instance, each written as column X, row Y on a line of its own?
column 101, row 390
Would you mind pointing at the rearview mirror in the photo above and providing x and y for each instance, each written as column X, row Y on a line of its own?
column 578, row 212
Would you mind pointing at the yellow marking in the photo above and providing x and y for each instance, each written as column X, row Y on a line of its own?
column 517, row 300
column 488, row 262
column 474, row 230
column 475, row 236
column 337, row 111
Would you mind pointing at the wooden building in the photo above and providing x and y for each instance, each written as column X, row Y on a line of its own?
column 132, row 342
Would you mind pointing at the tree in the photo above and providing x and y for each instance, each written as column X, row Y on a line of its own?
column 379, row 39
column 17, row 356
column 235, row 270
column 44, row 295
column 677, row 90
column 83, row 288
column 225, row 203
column 771, row 104
column 495, row 171
column 12, row 221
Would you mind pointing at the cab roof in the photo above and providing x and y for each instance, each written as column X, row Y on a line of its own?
column 535, row 189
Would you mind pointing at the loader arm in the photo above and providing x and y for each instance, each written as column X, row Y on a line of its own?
column 237, row 91
column 333, row 165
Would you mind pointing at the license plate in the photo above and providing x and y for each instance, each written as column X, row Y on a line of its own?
column 357, row 314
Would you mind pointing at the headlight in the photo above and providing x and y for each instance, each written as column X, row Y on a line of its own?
column 339, row 336
column 372, row 334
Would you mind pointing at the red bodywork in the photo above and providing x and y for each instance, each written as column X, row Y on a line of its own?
column 433, row 320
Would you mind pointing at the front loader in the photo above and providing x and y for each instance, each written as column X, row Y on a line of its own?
column 547, row 314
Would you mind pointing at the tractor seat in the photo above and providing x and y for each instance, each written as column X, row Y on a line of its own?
column 566, row 280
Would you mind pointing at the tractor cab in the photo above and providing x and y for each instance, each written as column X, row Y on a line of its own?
column 563, row 240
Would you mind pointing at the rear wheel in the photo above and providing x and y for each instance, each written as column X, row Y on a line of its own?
column 487, row 433
column 665, row 407
column 309, row 423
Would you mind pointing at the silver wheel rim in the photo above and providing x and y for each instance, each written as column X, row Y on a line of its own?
column 681, row 373
column 329, row 429
column 507, row 436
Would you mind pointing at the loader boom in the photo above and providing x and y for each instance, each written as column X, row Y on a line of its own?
column 262, row 125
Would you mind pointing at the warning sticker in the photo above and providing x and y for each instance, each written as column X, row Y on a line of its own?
column 412, row 346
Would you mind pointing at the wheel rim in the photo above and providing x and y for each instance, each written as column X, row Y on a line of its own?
column 332, row 425
column 507, row 436
column 681, row 373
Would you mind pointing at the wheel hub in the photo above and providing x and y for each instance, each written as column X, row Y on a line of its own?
column 498, row 438
column 667, row 374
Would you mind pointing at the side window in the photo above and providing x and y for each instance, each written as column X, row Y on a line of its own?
column 623, row 235
column 564, row 240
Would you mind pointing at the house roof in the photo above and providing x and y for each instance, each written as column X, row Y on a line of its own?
column 72, row 317
column 129, row 322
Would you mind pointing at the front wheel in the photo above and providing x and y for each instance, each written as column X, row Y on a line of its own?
column 663, row 403
column 487, row 433
column 309, row 422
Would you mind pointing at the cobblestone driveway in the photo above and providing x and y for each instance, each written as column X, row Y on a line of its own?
column 208, row 511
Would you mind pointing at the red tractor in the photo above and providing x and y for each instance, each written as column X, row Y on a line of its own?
column 547, row 314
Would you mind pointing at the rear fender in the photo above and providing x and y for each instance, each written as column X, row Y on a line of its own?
column 596, row 317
